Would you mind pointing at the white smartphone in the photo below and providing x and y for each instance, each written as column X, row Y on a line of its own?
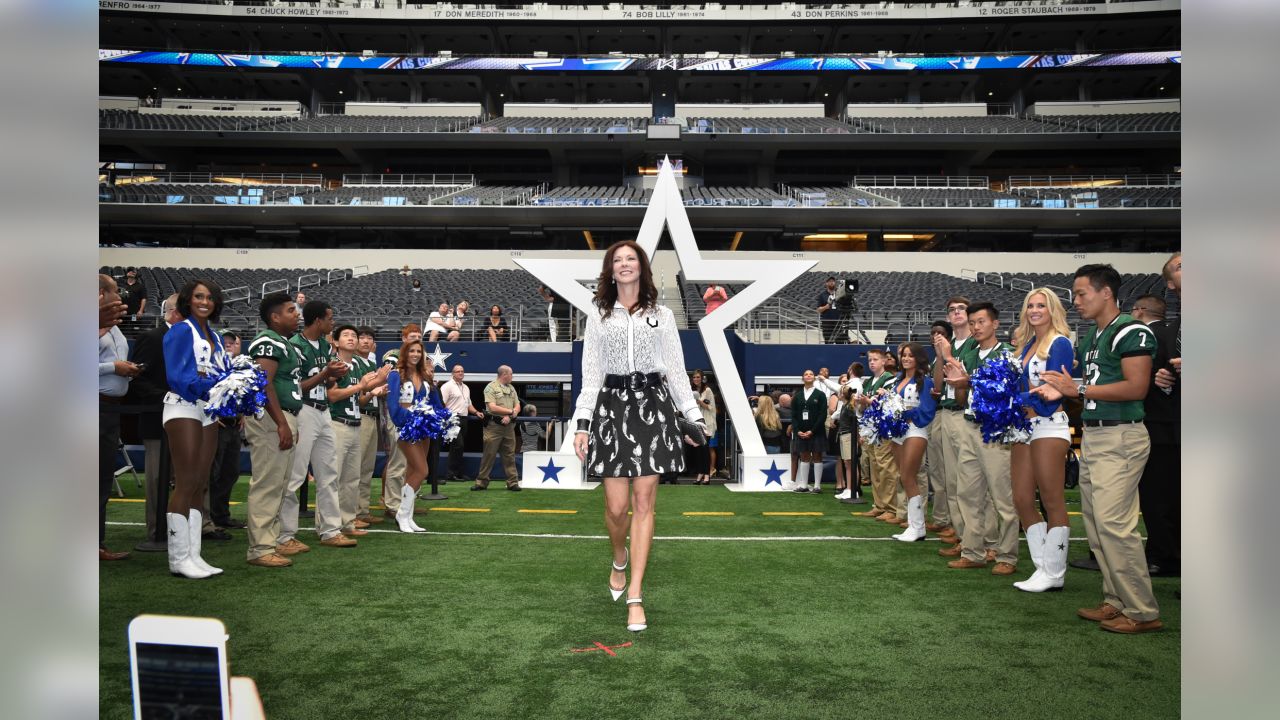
column 179, row 667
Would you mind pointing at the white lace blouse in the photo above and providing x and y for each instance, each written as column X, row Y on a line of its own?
column 645, row 342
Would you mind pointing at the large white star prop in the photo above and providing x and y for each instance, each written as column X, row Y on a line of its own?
column 438, row 358
column 766, row 278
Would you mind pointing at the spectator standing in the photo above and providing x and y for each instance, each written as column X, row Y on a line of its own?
column 457, row 397
column 366, row 348
column 346, row 396
column 1160, row 490
column 809, row 432
column 714, row 296
column 149, row 388
column 950, row 341
column 133, row 293
column 225, row 471
column 495, row 326
column 114, row 374
column 705, row 456
column 828, row 314
column 1115, row 357
column 557, row 312
column 884, row 469
column 272, row 436
column 501, row 407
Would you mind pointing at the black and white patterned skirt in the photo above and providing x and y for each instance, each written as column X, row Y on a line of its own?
column 633, row 434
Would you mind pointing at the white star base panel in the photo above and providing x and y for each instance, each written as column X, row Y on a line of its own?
column 571, row 473
column 752, row 478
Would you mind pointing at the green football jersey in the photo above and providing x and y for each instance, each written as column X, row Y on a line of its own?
column 872, row 384
column 1099, row 353
column 973, row 358
column 272, row 346
column 314, row 359
column 349, row 409
column 369, row 366
column 948, row 399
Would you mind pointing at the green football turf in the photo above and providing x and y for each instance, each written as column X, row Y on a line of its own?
column 462, row 624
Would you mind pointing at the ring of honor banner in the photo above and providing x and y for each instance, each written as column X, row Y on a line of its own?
column 826, row 63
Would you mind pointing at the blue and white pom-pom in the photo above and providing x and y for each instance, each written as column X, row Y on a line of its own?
column 429, row 420
column 882, row 420
column 994, row 389
column 242, row 390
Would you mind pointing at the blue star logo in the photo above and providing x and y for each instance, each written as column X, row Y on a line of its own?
column 773, row 474
column 551, row 471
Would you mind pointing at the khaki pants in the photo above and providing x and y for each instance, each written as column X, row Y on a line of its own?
column 1110, row 468
column 315, row 449
column 368, row 458
column 984, row 483
column 499, row 439
column 270, row 478
column 936, row 463
column 884, row 478
column 346, row 441
column 948, row 442
column 864, row 461
column 394, row 471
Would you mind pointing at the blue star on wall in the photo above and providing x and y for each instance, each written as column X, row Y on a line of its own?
column 550, row 471
column 773, row 474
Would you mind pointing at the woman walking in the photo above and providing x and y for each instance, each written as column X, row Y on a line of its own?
column 633, row 386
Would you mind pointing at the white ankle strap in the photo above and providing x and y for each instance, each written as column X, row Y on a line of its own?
column 635, row 601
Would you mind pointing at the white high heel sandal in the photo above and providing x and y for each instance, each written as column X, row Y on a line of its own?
column 636, row 627
column 618, row 593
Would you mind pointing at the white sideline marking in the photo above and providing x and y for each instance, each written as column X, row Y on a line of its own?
column 560, row 536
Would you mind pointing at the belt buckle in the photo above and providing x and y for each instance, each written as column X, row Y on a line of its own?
column 635, row 380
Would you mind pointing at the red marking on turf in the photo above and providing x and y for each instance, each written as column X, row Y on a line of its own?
column 609, row 649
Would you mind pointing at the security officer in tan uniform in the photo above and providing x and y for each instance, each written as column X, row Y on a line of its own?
column 501, row 407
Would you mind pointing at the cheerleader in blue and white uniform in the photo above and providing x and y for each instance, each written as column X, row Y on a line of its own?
column 409, row 383
column 915, row 387
column 193, row 359
column 1042, row 337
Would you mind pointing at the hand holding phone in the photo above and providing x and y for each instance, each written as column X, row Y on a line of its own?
column 179, row 667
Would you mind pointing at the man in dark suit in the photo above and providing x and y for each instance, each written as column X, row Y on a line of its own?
column 1159, row 491
column 149, row 388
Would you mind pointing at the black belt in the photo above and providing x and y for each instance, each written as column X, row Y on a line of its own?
column 951, row 409
column 322, row 407
column 349, row 423
column 370, row 413
column 1109, row 423
column 291, row 411
column 632, row 381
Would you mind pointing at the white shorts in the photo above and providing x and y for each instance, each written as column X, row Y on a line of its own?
column 1052, row 426
column 177, row 408
column 913, row 432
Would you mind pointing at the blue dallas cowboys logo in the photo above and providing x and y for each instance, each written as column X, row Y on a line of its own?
column 551, row 471
column 773, row 474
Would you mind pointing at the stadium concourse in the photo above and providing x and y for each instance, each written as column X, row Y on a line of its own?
column 915, row 179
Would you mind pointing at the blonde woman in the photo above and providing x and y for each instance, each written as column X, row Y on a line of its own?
column 1043, row 343
column 769, row 424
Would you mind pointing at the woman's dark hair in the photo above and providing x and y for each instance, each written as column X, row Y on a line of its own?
column 189, row 290
column 491, row 308
column 701, row 376
column 922, row 362
column 607, row 290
